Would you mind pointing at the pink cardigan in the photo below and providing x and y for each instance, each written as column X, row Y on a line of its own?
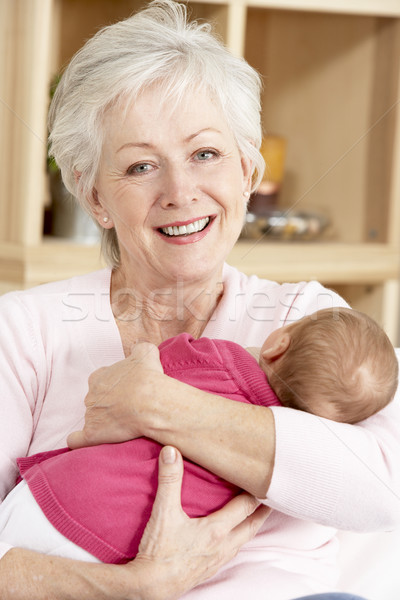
column 327, row 475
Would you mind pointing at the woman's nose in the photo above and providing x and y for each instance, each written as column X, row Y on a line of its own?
column 179, row 188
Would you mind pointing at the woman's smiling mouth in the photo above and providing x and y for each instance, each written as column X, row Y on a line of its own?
column 185, row 230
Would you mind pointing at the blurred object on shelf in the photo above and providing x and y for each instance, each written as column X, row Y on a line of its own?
column 264, row 219
column 273, row 150
column 285, row 225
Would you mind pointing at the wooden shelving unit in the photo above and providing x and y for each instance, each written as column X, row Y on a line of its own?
column 331, row 87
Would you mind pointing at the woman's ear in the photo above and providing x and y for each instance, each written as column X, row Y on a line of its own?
column 247, row 169
column 275, row 345
column 99, row 212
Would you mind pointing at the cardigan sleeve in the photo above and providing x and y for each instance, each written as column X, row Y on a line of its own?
column 21, row 389
column 21, row 385
column 345, row 476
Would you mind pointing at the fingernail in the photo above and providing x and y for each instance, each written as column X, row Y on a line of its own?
column 168, row 455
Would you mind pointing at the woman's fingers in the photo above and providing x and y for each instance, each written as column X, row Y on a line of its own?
column 238, row 509
column 237, row 523
column 170, row 473
column 161, row 535
column 77, row 439
column 247, row 529
column 242, row 514
column 147, row 355
column 188, row 551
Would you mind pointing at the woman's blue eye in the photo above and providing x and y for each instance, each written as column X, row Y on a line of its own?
column 139, row 168
column 206, row 154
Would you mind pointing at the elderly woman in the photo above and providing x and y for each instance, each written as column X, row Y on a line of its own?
column 156, row 129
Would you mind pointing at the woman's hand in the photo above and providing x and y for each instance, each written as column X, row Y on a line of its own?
column 177, row 553
column 114, row 412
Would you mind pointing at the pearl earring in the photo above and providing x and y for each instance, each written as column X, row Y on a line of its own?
column 105, row 219
column 246, row 194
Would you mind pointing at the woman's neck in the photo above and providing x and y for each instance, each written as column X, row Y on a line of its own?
column 157, row 313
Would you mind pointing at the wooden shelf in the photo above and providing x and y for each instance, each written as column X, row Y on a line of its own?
column 366, row 264
column 328, row 263
column 388, row 8
column 54, row 259
column 361, row 7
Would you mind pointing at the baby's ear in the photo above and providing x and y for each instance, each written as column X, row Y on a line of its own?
column 275, row 345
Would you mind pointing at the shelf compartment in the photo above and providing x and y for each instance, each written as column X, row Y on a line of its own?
column 331, row 84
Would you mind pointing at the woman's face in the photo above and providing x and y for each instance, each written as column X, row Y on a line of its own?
column 172, row 183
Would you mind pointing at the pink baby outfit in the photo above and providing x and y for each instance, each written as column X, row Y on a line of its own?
column 100, row 497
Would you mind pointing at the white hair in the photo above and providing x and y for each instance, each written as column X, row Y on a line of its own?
column 157, row 45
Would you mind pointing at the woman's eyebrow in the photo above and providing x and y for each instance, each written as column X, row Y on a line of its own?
column 203, row 130
column 134, row 145
column 188, row 139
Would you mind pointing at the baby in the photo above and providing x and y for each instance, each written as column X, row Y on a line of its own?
column 93, row 503
column 336, row 363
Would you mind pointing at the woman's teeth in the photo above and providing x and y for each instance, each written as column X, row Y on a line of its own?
column 186, row 229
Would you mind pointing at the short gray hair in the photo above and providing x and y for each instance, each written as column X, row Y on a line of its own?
column 156, row 45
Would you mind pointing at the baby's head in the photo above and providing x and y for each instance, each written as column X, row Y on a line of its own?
column 337, row 363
